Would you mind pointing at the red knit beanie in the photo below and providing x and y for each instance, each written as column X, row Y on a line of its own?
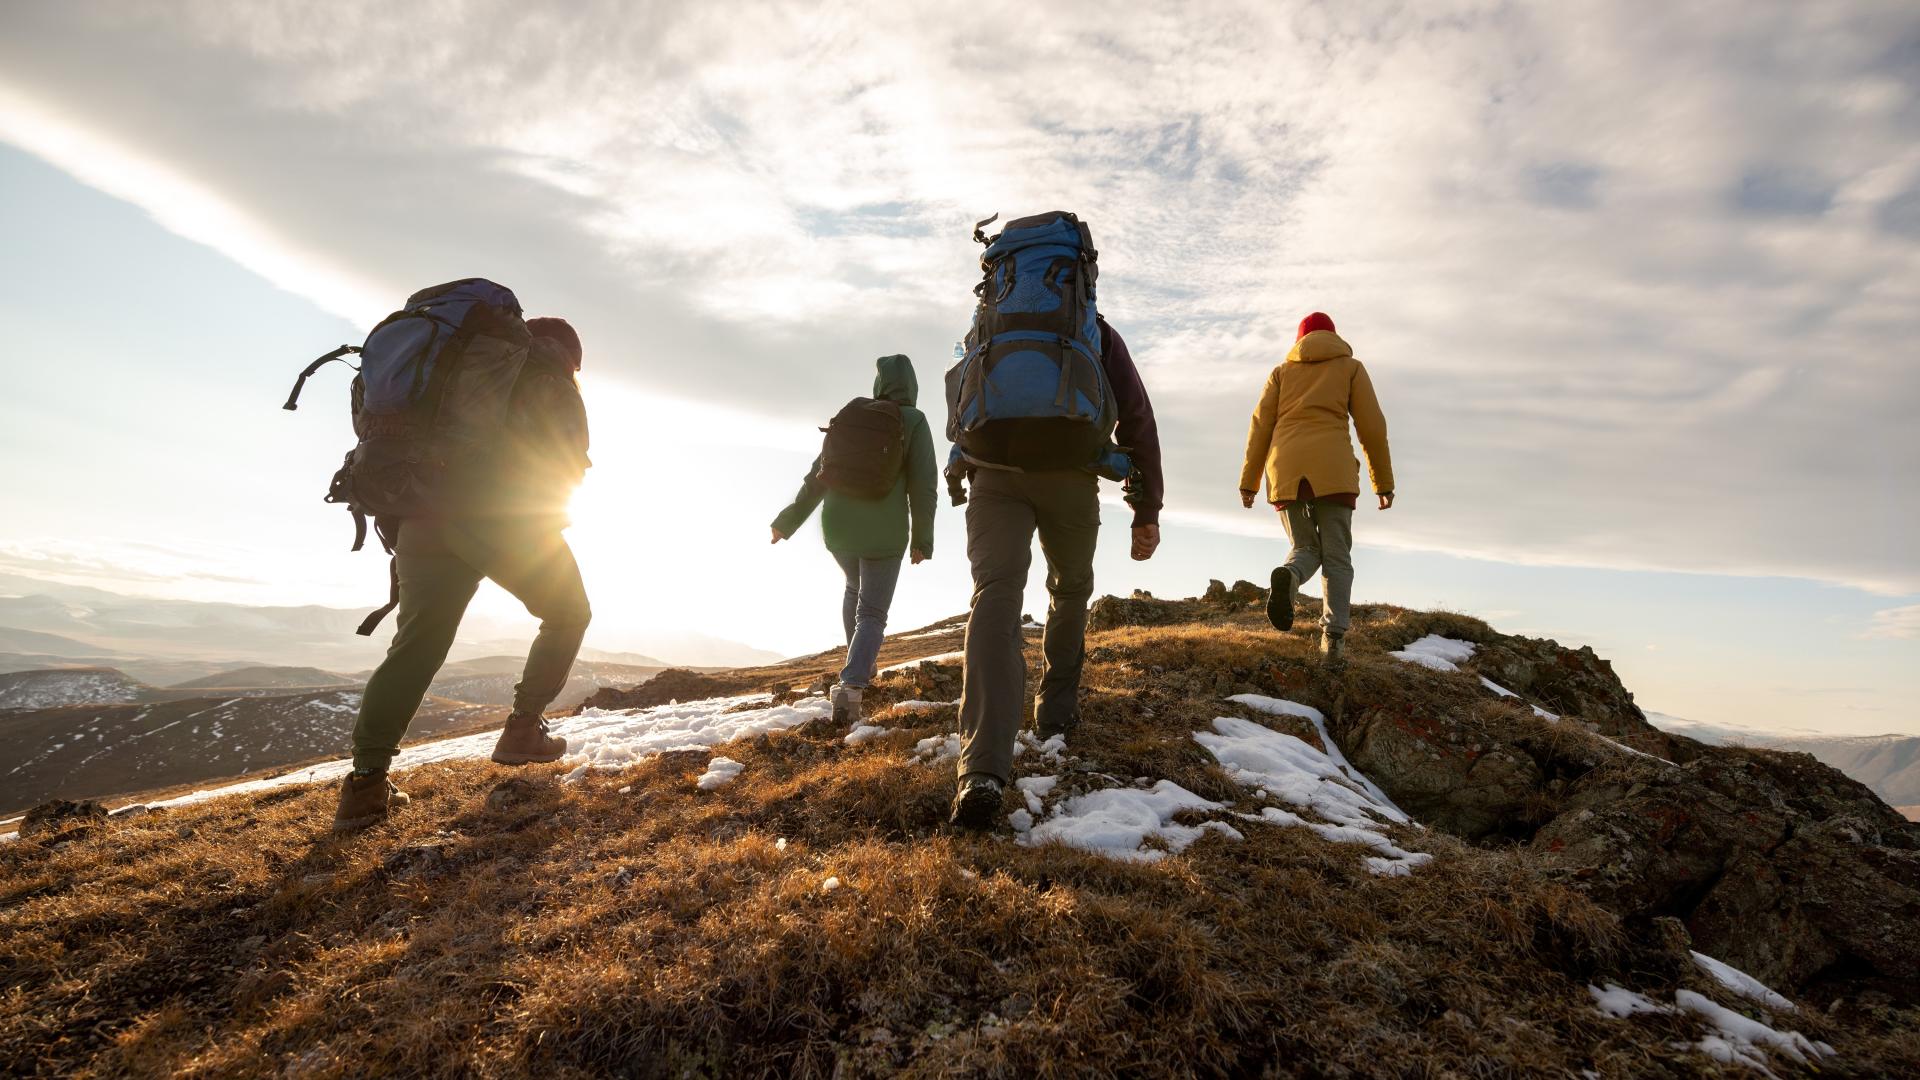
column 558, row 330
column 1316, row 321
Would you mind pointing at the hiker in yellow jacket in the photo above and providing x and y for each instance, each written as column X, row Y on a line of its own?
column 1298, row 439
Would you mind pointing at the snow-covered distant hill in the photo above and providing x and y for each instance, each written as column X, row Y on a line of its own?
column 72, row 686
column 1889, row 764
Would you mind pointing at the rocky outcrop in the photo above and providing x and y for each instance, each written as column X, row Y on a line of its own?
column 671, row 685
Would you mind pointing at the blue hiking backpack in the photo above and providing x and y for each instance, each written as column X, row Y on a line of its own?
column 434, row 389
column 1028, row 390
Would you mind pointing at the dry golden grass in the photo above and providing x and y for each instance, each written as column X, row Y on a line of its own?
column 576, row 930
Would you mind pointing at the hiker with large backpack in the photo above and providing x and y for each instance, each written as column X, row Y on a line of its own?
column 1297, row 441
column 1041, row 392
column 876, row 473
column 472, row 437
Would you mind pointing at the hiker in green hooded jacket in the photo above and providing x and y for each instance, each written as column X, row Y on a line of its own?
column 868, row 536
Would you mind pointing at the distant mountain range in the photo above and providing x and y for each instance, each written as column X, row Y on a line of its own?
column 1889, row 764
column 46, row 624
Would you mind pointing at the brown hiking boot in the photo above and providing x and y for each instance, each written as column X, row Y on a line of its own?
column 526, row 741
column 364, row 799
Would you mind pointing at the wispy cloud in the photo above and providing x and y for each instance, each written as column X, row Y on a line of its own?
column 1900, row 622
column 1622, row 313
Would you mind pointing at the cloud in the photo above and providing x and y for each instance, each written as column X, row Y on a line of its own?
column 1615, row 315
column 1900, row 622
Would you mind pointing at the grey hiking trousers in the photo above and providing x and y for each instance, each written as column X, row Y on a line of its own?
column 1322, row 535
column 1003, row 512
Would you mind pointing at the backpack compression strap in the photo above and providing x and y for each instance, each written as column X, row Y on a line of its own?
column 388, row 530
column 293, row 399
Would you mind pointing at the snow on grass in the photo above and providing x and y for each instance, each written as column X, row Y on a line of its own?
column 596, row 739
column 1280, row 766
column 721, row 771
column 916, row 705
column 1115, row 822
column 1331, row 758
column 863, row 733
column 1743, row 984
column 1035, row 788
column 943, row 658
column 937, row 748
column 1436, row 652
column 1734, row 1039
column 1497, row 688
column 1619, row 1002
column 830, row 884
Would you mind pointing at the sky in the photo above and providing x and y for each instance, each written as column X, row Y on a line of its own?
column 1639, row 288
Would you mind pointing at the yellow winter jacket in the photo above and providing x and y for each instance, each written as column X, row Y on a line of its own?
column 1299, row 429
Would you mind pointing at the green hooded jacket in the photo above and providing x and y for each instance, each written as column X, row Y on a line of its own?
column 877, row 528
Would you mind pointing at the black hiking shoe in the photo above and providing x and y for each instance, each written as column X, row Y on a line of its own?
column 977, row 803
column 1280, row 598
column 1051, row 722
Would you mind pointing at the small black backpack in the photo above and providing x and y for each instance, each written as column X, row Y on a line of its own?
column 865, row 449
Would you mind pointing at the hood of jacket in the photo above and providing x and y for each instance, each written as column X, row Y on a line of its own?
column 896, row 381
column 1317, row 346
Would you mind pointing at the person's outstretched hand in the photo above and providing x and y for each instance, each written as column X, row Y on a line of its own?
column 1145, row 539
column 1246, row 498
column 1386, row 500
column 778, row 536
column 920, row 556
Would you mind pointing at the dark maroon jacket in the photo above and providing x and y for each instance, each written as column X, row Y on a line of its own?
column 1136, row 429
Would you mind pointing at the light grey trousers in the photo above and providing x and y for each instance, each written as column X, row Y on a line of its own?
column 1322, row 535
column 1003, row 512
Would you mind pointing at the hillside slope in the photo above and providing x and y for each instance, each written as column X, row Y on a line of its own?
column 1507, row 872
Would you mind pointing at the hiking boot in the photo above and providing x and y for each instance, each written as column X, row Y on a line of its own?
column 526, row 741
column 1280, row 598
column 846, row 706
column 977, row 803
column 1333, row 649
column 1050, row 722
column 366, row 797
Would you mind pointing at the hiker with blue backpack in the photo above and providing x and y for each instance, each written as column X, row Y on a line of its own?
column 1297, row 442
column 472, row 438
column 877, row 475
column 1041, row 392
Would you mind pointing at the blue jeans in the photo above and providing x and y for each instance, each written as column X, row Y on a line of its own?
column 869, row 594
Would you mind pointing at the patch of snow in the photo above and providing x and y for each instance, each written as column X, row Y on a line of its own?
column 943, row 658
column 1551, row 717
column 1619, row 1002
column 1115, row 821
column 1735, row 1040
column 721, row 771
column 1436, row 652
column 780, row 844
column 1051, row 749
column 1278, row 765
column 1743, row 984
column 1283, row 707
column 938, row 748
column 596, row 738
column 865, row 733
column 1035, row 788
column 1742, row 1037
column 1496, row 687
column 1021, row 820
column 830, row 884
column 916, row 705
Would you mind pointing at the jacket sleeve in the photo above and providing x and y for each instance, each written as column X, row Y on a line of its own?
column 1371, row 423
column 1137, row 431
column 1260, row 434
column 923, row 485
column 811, row 492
